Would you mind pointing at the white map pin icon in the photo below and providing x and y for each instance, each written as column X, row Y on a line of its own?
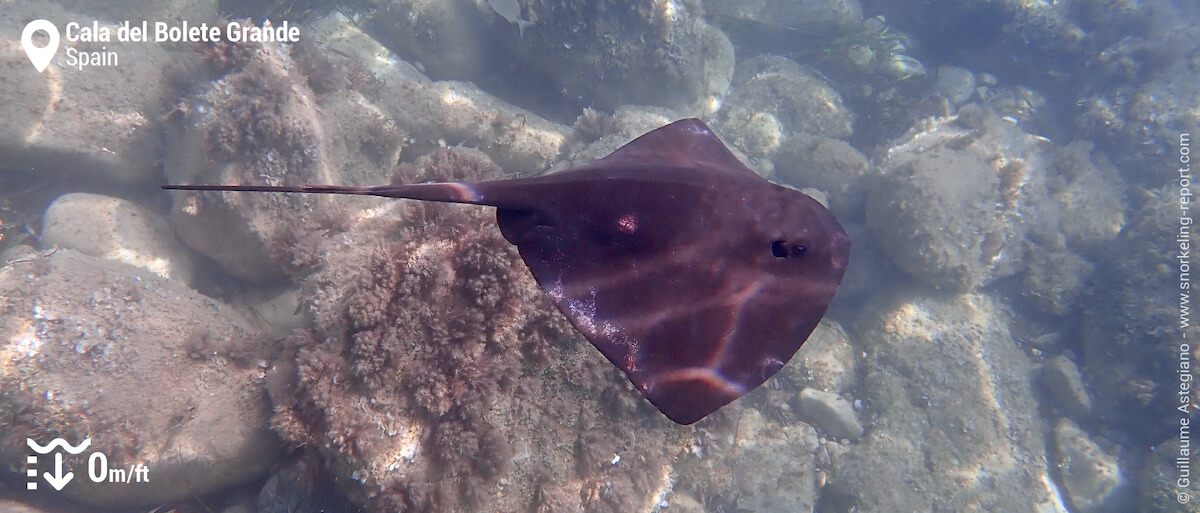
column 40, row 57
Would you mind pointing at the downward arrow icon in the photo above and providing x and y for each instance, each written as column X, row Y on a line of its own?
column 58, row 480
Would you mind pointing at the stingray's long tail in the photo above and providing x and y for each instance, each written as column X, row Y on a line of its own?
column 450, row 192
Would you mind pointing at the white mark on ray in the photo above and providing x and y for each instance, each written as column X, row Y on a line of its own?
column 699, row 129
column 584, row 314
column 556, row 291
column 628, row 223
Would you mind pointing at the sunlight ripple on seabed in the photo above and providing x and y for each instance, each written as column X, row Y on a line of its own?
column 53, row 84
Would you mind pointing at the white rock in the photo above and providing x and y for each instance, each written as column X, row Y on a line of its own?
column 955, row 83
column 118, row 230
column 831, row 413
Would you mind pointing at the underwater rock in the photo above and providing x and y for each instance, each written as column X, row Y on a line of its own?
column 260, row 123
column 684, row 503
column 1062, row 379
column 1158, row 491
column 831, row 413
column 1090, row 196
column 756, row 464
column 296, row 488
column 953, row 199
column 1050, row 342
column 1084, row 214
column 949, row 394
column 445, row 113
column 276, row 307
column 450, row 40
column 773, row 98
column 80, row 125
column 1018, row 102
column 950, row 199
column 1150, row 120
column 827, row 361
column 1008, row 37
column 1146, row 84
column 441, row 377
column 148, row 369
column 872, row 266
column 642, row 52
column 257, row 124
column 1130, row 333
column 117, row 230
column 1056, row 281
column 194, row 11
column 900, row 67
column 592, row 124
column 955, row 83
column 767, row 455
column 609, row 53
column 628, row 122
column 807, row 16
column 1092, row 477
column 827, row 164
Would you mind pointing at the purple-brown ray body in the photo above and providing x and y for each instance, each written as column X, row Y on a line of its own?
column 693, row 275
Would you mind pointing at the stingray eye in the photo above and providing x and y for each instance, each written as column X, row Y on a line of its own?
column 785, row 249
column 779, row 249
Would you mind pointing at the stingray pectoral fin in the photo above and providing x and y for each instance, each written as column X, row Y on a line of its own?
column 687, row 143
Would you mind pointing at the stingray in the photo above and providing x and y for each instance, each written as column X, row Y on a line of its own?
column 689, row 272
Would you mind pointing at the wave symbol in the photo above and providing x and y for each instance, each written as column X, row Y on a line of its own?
column 59, row 442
